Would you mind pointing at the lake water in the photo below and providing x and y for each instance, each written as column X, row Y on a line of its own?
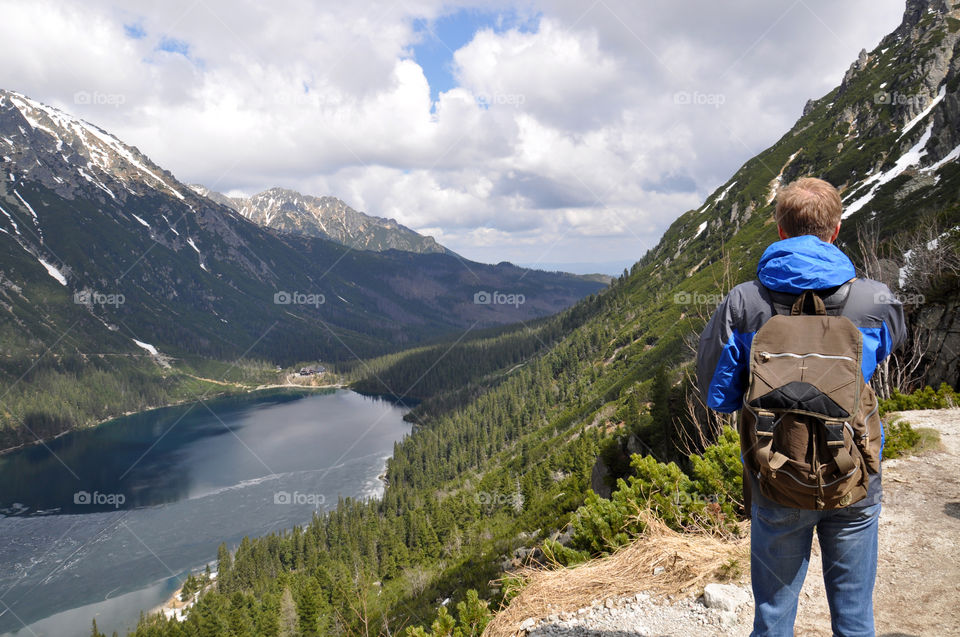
column 106, row 522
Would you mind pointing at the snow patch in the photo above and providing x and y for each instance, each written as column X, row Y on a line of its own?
column 194, row 246
column 95, row 182
column 36, row 221
column 724, row 193
column 172, row 229
column 52, row 271
column 147, row 346
column 14, row 223
column 142, row 222
column 775, row 182
column 700, row 229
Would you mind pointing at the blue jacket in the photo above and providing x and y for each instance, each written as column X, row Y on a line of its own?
column 786, row 269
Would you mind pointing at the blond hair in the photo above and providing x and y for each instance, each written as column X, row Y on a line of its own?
column 809, row 206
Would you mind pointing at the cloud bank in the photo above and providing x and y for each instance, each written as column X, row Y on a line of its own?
column 570, row 131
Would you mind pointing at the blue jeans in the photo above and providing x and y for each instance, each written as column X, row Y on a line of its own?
column 780, row 541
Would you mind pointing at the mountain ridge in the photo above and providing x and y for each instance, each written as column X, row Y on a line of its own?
column 327, row 217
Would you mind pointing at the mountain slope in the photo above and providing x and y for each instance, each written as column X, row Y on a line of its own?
column 326, row 217
column 112, row 267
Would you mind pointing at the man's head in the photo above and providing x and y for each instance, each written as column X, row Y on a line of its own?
column 809, row 206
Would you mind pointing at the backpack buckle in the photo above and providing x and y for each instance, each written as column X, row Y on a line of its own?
column 765, row 423
column 834, row 433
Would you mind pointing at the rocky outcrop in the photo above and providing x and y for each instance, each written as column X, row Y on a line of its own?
column 939, row 326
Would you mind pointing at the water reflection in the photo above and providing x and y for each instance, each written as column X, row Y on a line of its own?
column 136, row 461
column 190, row 480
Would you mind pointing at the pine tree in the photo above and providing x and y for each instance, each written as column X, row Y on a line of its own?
column 289, row 621
column 660, row 411
column 96, row 631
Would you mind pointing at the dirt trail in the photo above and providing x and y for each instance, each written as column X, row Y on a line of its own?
column 918, row 579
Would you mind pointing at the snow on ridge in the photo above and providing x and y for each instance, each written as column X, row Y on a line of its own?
column 29, row 207
column 724, row 193
column 24, row 104
column 926, row 111
column 117, row 146
column 54, row 272
column 910, row 158
column 15, row 226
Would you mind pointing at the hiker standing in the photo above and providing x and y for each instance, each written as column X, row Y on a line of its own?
column 794, row 351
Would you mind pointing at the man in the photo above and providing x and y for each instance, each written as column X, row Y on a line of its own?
column 808, row 221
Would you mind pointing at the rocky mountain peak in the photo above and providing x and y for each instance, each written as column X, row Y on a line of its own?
column 47, row 143
column 292, row 212
column 916, row 10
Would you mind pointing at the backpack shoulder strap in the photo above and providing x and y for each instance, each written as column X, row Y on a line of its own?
column 834, row 299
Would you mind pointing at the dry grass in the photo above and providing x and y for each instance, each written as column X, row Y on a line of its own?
column 688, row 559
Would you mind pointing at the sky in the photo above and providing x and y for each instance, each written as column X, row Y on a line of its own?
column 565, row 134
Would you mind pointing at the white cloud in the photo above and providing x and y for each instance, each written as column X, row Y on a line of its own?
column 564, row 140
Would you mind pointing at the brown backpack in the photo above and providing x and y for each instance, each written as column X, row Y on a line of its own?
column 809, row 427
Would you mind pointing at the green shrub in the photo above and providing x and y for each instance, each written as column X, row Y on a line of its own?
column 720, row 471
column 472, row 617
column 925, row 398
column 900, row 437
column 706, row 500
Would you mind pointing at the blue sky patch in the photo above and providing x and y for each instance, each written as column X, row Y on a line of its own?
column 173, row 45
column 441, row 37
column 134, row 31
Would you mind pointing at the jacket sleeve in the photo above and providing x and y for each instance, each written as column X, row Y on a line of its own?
column 722, row 357
column 895, row 328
